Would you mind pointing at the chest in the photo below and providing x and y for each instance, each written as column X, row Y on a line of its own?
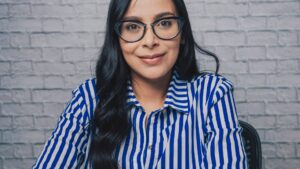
column 170, row 139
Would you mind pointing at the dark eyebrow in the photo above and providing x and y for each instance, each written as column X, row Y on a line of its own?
column 158, row 16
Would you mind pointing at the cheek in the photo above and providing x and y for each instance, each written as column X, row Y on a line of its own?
column 127, row 49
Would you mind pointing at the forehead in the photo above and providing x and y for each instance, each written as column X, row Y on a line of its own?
column 148, row 9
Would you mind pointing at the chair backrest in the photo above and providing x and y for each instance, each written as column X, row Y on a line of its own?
column 252, row 145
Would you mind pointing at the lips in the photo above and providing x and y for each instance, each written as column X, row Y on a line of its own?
column 152, row 59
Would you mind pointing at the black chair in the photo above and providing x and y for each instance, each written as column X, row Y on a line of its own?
column 252, row 145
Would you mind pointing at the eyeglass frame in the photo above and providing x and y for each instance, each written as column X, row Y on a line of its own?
column 180, row 19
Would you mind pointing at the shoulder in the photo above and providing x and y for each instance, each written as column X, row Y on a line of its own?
column 84, row 98
column 213, row 86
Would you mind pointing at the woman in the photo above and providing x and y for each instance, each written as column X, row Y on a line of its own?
column 148, row 106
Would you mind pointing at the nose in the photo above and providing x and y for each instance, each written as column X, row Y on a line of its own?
column 150, row 40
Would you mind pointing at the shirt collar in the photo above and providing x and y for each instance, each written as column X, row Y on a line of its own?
column 176, row 98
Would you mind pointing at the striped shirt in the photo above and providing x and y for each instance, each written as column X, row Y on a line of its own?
column 196, row 128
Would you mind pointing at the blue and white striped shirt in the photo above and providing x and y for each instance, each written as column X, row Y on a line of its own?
column 196, row 128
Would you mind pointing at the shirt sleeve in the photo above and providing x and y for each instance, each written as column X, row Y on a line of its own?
column 65, row 147
column 224, row 146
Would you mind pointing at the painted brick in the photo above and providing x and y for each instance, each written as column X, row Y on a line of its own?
column 251, row 108
column 54, row 109
column 269, row 149
column 87, row 39
column 5, row 68
column 298, row 94
column 277, row 163
column 7, row 150
column 250, row 53
column 55, row 40
column 287, row 121
column 21, row 96
column 79, row 54
column 20, row 25
column 226, row 9
column 86, row 10
column 52, row 54
column 235, row 67
column 19, row 40
column 3, row 10
column 21, row 82
column 21, row 109
column 102, row 10
column 4, row 40
column 261, row 94
column 202, row 23
column 5, row 122
column 239, row 95
column 284, row 22
column 23, row 54
column 253, row 23
column 286, row 94
column 262, row 66
column 23, row 151
column 45, row 122
column 282, row 135
column 285, row 66
column 276, row 8
column 298, row 149
column 24, row 122
column 227, row 23
column 21, row 68
column 278, row 80
column 18, row 163
column 251, row 80
column 196, row 8
column 45, row 68
column 283, row 53
column 55, row 82
column 287, row 38
column 83, row 25
column 39, row 96
column 21, row 10
column 225, row 38
column 23, row 136
column 53, row 11
column 263, row 122
column 53, row 25
column 225, row 53
column 85, row 68
column 5, row 96
column 283, row 108
column 262, row 38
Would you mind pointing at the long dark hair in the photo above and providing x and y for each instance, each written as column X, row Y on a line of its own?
column 110, row 122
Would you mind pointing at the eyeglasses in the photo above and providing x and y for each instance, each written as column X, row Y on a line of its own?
column 165, row 28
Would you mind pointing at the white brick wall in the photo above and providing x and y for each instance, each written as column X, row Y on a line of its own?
column 48, row 47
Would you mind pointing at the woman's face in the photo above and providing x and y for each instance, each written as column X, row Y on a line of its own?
column 150, row 58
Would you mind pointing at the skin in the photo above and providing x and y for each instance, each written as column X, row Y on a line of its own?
column 150, row 79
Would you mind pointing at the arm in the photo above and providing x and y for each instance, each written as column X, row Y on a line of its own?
column 68, row 139
column 224, row 142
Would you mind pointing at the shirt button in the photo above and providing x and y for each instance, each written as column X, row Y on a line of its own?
column 150, row 147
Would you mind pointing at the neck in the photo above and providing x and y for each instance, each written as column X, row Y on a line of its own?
column 151, row 93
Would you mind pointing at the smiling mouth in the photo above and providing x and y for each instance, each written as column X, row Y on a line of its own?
column 152, row 59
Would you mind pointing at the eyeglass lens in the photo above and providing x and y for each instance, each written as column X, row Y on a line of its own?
column 132, row 31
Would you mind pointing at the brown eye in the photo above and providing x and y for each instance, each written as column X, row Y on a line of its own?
column 166, row 23
column 132, row 27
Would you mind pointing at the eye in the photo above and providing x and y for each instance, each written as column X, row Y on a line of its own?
column 166, row 23
column 132, row 27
